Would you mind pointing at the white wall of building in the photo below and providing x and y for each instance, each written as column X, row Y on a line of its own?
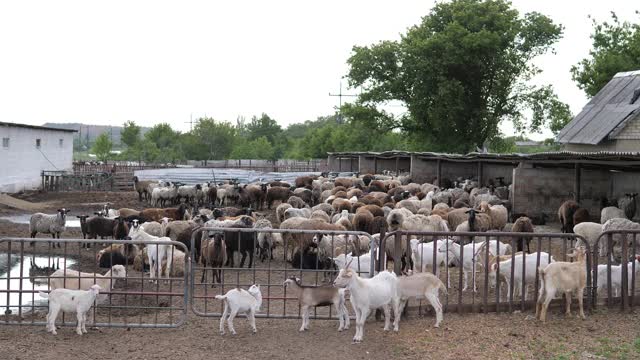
column 21, row 162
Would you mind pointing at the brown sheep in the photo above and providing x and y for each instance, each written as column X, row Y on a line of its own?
column 382, row 196
column 296, row 202
column 377, row 185
column 338, row 189
column 341, row 194
column 375, row 210
column 354, row 192
column 565, row 215
column 280, row 211
column 378, row 225
column 581, row 215
column 444, row 214
column 370, row 200
column 212, row 194
column 251, row 195
column 367, row 179
column 356, row 206
column 320, row 215
column 344, row 222
column 126, row 212
column 155, row 214
column 340, row 204
column 456, row 217
column 280, row 184
column 523, row 224
column 302, row 241
column 362, row 220
column 277, row 193
column 344, row 182
column 214, row 255
column 459, row 204
column 304, row 182
column 305, row 194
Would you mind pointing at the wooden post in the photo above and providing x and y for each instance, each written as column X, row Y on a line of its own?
column 439, row 172
column 480, row 173
column 576, row 185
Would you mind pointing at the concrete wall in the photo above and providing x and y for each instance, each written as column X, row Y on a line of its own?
column 543, row 190
column 21, row 162
column 367, row 165
column 423, row 171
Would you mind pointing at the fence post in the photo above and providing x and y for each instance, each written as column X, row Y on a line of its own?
column 397, row 254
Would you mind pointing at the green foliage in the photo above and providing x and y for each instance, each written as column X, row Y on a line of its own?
column 102, row 147
column 460, row 72
column 216, row 138
column 130, row 134
column 616, row 48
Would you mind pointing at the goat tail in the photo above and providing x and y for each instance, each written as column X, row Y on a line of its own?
column 221, row 297
column 442, row 286
column 43, row 295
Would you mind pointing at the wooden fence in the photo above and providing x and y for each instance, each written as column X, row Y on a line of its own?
column 99, row 181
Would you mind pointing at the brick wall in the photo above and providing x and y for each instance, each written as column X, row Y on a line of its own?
column 631, row 131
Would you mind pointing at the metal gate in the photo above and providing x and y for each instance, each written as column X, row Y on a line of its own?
column 487, row 298
column 125, row 301
column 278, row 302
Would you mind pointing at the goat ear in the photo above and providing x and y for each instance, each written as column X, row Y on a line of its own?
column 494, row 266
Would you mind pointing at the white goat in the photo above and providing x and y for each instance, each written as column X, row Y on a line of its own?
column 467, row 256
column 565, row 277
column 360, row 264
column 423, row 259
column 156, row 253
column 421, row 286
column 530, row 261
column 616, row 276
column 240, row 301
column 69, row 301
column 380, row 291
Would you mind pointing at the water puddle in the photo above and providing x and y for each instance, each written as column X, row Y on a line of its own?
column 10, row 297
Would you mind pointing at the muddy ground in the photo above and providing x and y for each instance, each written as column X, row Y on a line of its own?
column 605, row 333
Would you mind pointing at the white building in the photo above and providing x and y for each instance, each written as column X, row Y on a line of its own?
column 27, row 150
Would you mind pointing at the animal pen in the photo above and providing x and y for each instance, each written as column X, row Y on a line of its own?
column 134, row 302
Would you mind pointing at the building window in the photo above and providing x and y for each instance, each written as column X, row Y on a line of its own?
column 61, row 142
column 38, row 143
column 5, row 143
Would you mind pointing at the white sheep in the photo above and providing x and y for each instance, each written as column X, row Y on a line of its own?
column 294, row 212
column 498, row 213
column 590, row 231
column 240, row 301
column 563, row 277
column 309, row 296
column 69, row 301
column 421, row 286
column 530, row 261
column 380, row 291
column 611, row 212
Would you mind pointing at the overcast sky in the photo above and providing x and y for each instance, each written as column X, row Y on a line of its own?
column 158, row 61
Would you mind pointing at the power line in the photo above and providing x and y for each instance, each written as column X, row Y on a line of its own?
column 190, row 122
column 340, row 95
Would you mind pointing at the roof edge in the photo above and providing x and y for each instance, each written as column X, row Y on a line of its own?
column 627, row 73
column 35, row 127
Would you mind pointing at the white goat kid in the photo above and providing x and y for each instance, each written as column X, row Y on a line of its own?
column 616, row 276
column 377, row 292
column 69, row 301
column 243, row 302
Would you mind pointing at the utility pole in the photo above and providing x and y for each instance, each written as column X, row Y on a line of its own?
column 340, row 95
column 190, row 122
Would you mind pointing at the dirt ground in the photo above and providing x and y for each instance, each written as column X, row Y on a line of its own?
column 605, row 333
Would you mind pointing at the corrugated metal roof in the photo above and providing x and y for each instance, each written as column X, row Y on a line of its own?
column 551, row 155
column 604, row 112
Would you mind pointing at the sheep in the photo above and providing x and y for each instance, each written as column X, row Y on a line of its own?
column 277, row 193
column 126, row 212
column 628, row 204
column 504, row 268
column 75, row 280
column 411, row 205
column 304, row 182
column 253, row 195
column 617, row 225
column 141, row 187
column 362, row 221
column 369, row 294
column 419, row 286
column 48, row 224
column 456, row 217
column 153, row 228
column 155, row 214
column 212, row 193
column 309, row 296
column 523, row 225
column 396, row 217
column 345, row 223
column 267, row 241
column 616, row 276
column 296, row 212
column 174, row 228
column 590, row 231
column 477, row 222
column 100, row 226
column 240, row 301
column 279, row 184
column 581, row 215
column 303, row 194
column 565, row 214
column 566, row 277
column 327, row 208
column 161, row 195
column 120, row 229
column 280, row 211
column 116, row 254
column 156, row 253
column 230, row 211
column 341, row 204
column 419, row 223
column 320, row 215
column 611, row 212
column 65, row 300
column 498, row 214
column 302, row 241
column 341, row 244
column 342, row 215
column 214, row 254
column 311, row 259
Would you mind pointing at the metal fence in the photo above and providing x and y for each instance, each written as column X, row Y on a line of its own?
column 278, row 302
column 124, row 301
column 480, row 266
column 619, row 281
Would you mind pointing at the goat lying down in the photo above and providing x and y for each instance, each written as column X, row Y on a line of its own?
column 69, row 301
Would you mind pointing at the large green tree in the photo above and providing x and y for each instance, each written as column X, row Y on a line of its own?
column 263, row 126
column 102, row 147
column 616, row 48
column 130, row 134
column 460, row 72
column 216, row 137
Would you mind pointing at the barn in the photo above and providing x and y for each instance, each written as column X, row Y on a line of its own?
column 27, row 150
column 610, row 121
